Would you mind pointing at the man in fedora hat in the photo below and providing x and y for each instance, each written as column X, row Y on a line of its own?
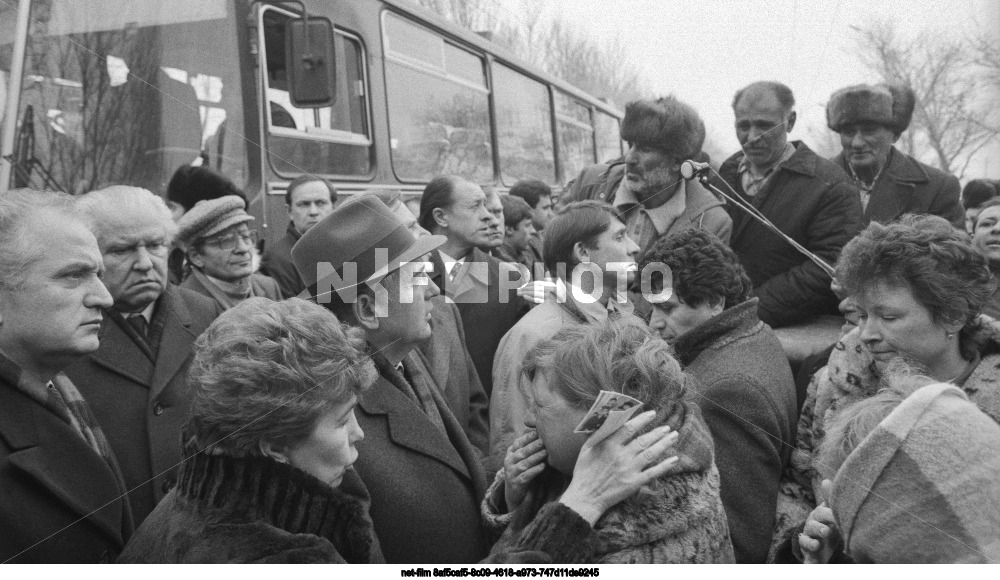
column 869, row 120
column 423, row 475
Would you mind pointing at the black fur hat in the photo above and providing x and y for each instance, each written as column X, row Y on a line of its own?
column 888, row 105
column 666, row 124
column 189, row 185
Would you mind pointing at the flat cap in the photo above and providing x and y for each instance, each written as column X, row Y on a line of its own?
column 209, row 217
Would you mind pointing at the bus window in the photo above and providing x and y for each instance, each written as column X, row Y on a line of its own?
column 576, row 135
column 328, row 140
column 609, row 141
column 126, row 92
column 524, row 127
column 438, row 105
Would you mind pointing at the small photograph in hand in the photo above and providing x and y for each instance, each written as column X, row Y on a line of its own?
column 610, row 411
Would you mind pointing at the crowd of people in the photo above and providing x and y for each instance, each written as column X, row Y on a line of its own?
column 412, row 380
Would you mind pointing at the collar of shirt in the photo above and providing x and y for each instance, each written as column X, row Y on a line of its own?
column 449, row 262
column 747, row 171
column 146, row 313
column 594, row 311
column 662, row 217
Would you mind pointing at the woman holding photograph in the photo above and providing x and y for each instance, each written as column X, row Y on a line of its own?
column 677, row 517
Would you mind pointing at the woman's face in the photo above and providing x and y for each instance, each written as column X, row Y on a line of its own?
column 329, row 450
column 555, row 419
column 892, row 323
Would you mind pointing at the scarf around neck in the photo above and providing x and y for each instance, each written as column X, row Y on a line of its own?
column 227, row 294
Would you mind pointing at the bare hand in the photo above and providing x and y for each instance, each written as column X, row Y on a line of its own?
column 525, row 459
column 535, row 292
column 820, row 536
column 614, row 468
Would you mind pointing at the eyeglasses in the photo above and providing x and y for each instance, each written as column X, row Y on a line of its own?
column 230, row 241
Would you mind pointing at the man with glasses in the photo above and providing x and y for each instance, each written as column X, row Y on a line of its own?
column 136, row 381
column 219, row 243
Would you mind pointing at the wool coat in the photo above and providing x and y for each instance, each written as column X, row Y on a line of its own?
column 702, row 208
column 276, row 263
column 425, row 484
column 488, row 308
column 678, row 518
column 909, row 186
column 142, row 400
column 455, row 374
column 812, row 201
column 262, row 286
column 60, row 501
column 745, row 389
column 849, row 376
column 243, row 510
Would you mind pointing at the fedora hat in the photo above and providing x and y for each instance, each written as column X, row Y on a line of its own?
column 363, row 231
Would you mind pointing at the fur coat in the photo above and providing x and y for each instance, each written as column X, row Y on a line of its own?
column 678, row 518
column 848, row 377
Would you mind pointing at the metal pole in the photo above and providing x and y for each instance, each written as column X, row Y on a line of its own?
column 13, row 93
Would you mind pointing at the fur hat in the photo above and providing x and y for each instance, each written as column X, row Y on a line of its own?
column 209, row 217
column 888, row 105
column 189, row 185
column 666, row 124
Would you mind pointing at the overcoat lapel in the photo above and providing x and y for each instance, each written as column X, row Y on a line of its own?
column 120, row 354
column 175, row 343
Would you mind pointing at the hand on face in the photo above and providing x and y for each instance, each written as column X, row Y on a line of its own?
column 525, row 460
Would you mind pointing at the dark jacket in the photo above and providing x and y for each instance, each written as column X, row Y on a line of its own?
column 812, row 201
column 262, row 286
column 141, row 400
column 747, row 396
column 486, row 314
column 276, row 262
column 255, row 510
column 425, row 484
column 60, row 501
column 909, row 186
column 702, row 208
column 455, row 373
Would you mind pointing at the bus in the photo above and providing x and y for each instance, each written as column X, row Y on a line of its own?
column 101, row 92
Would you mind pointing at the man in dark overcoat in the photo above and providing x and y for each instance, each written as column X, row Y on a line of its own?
column 136, row 381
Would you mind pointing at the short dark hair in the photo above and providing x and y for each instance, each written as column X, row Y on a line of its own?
column 978, row 191
column 704, row 269
column 304, row 179
column 781, row 92
column 580, row 221
column 189, row 185
column 438, row 193
column 531, row 191
column 515, row 210
column 947, row 274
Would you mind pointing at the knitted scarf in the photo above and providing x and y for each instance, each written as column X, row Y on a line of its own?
column 227, row 294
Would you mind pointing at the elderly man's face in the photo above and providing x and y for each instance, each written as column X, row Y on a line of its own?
column 650, row 174
column 54, row 316
column 135, row 258
column 310, row 203
column 866, row 145
column 227, row 255
column 409, row 318
column 495, row 208
column 469, row 222
column 762, row 126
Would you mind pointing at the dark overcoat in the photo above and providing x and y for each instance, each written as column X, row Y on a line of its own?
column 60, row 501
column 812, row 201
column 140, row 402
column 276, row 262
column 909, row 186
column 425, row 485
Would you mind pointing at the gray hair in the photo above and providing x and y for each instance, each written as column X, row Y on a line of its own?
column 105, row 208
column 17, row 252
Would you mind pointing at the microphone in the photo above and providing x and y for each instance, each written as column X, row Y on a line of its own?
column 691, row 169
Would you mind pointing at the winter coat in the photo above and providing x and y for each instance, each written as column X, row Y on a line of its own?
column 61, row 502
column 139, row 393
column 909, row 186
column 702, row 209
column 242, row 510
column 924, row 485
column 746, row 393
column 455, row 374
column 848, row 377
column 677, row 518
column 426, row 484
column 488, row 307
column 261, row 284
column 276, row 263
column 812, row 201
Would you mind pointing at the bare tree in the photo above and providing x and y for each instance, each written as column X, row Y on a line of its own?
column 955, row 116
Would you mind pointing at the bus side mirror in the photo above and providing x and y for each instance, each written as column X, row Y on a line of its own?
column 309, row 62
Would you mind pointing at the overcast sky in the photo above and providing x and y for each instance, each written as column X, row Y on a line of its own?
column 703, row 51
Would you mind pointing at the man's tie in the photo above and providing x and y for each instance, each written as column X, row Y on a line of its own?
column 138, row 323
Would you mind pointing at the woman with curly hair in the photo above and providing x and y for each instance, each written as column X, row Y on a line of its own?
column 678, row 516
column 920, row 287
